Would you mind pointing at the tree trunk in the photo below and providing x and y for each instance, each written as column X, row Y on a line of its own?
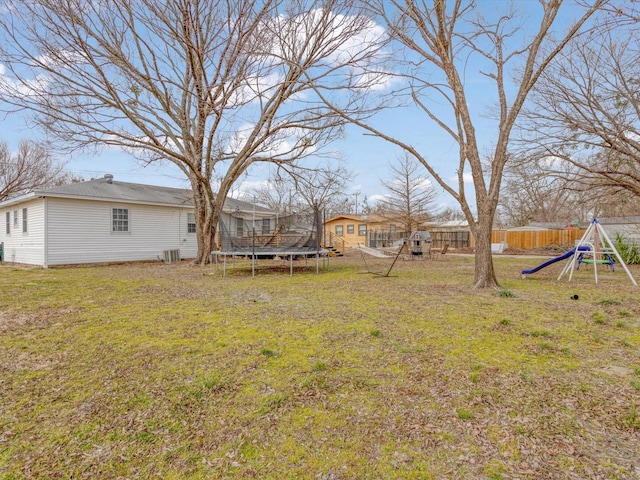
column 206, row 239
column 206, row 220
column 485, row 276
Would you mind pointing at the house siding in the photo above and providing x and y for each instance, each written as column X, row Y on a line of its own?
column 376, row 228
column 346, row 240
column 80, row 231
column 24, row 247
column 628, row 227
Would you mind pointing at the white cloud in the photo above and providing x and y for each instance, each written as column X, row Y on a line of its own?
column 248, row 187
column 466, row 176
column 553, row 161
column 11, row 87
column 426, row 183
column 356, row 52
column 288, row 144
column 633, row 136
column 375, row 198
column 376, row 81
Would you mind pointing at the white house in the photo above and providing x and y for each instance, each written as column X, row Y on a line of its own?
column 99, row 221
column 628, row 227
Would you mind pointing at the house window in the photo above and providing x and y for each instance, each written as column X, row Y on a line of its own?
column 339, row 230
column 350, row 229
column 191, row 223
column 15, row 219
column 392, row 229
column 239, row 227
column 362, row 230
column 24, row 220
column 266, row 225
column 119, row 219
column 8, row 223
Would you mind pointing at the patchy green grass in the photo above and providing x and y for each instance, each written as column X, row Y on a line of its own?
column 150, row 370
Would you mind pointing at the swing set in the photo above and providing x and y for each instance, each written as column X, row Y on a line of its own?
column 595, row 248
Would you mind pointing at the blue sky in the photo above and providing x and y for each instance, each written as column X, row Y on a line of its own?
column 367, row 156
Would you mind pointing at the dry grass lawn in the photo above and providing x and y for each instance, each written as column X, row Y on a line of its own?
column 166, row 371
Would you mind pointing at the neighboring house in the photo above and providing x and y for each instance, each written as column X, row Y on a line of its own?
column 99, row 221
column 628, row 227
column 348, row 231
column 345, row 231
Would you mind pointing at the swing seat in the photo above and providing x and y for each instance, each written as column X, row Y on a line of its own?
column 591, row 261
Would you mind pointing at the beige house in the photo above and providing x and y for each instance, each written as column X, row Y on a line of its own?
column 345, row 231
column 348, row 231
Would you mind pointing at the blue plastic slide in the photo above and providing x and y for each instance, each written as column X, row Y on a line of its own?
column 582, row 248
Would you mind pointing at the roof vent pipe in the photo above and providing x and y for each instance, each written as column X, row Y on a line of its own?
column 108, row 177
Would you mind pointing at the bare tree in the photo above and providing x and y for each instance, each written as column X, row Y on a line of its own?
column 319, row 186
column 449, row 214
column 410, row 196
column 535, row 189
column 340, row 205
column 211, row 86
column 549, row 189
column 292, row 187
column 276, row 194
column 586, row 112
column 447, row 47
column 30, row 168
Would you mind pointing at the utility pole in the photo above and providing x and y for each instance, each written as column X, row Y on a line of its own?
column 356, row 194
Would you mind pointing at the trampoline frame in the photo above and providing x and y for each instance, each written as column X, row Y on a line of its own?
column 302, row 240
column 256, row 253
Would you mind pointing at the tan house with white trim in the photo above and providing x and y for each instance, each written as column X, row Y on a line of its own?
column 349, row 231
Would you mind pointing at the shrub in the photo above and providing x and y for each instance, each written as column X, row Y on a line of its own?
column 630, row 252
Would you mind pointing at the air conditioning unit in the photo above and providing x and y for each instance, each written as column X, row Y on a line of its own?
column 171, row 256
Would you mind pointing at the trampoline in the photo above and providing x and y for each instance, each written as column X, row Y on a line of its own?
column 260, row 234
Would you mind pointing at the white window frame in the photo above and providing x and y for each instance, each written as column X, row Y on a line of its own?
column 16, row 223
column 120, row 224
column 239, row 226
column 266, row 225
column 8, row 217
column 24, row 220
column 191, row 222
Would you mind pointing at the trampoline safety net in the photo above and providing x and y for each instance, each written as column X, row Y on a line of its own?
column 270, row 234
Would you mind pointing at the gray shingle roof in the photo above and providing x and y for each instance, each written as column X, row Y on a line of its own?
column 108, row 189
column 105, row 189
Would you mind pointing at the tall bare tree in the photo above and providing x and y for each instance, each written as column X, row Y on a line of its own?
column 586, row 112
column 30, row 168
column 534, row 189
column 211, row 86
column 549, row 189
column 319, row 186
column 410, row 196
column 276, row 194
column 294, row 188
column 448, row 47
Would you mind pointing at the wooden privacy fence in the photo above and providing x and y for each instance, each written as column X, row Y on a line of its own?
column 527, row 239
column 455, row 239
